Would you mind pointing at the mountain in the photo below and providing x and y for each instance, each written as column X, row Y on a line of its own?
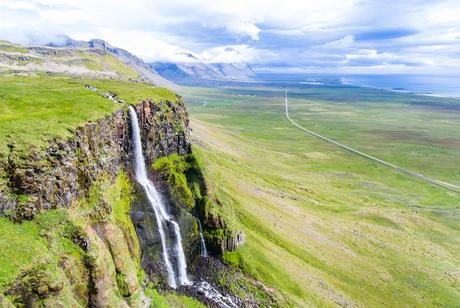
column 197, row 71
column 95, row 59
column 145, row 70
column 166, row 74
column 88, row 62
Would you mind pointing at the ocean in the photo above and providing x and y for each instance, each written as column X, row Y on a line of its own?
column 443, row 86
column 448, row 86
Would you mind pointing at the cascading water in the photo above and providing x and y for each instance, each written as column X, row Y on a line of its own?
column 181, row 262
column 164, row 220
column 162, row 216
column 204, row 251
column 218, row 298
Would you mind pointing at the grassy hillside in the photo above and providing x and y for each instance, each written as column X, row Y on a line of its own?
column 35, row 109
column 323, row 226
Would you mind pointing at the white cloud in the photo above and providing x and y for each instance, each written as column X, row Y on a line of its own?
column 235, row 53
column 344, row 42
column 322, row 35
column 143, row 44
column 244, row 28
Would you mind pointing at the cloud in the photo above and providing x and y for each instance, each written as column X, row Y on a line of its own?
column 344, row 42
column 371, row 57
column 327, row 35
column 245, row 28
column 236, row 53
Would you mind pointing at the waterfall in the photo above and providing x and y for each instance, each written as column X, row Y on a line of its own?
column 164, row 221
column 181, row 262
column 162, row 217
column 204, row 251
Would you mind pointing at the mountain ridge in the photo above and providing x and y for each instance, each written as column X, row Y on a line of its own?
column 123, row 55
column 197, row 71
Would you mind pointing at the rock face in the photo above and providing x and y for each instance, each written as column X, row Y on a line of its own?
column 221, row 238
column 165, row 128
column 66, row 170
column 232, row 243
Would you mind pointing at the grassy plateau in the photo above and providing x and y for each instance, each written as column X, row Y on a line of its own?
column 325, row 227
column 36, row 109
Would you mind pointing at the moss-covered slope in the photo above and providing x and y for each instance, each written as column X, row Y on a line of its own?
column 188, row 188
column 86, row 255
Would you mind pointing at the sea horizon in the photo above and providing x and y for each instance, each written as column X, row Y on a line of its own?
column 427, row 85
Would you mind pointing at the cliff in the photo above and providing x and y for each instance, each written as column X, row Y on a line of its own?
column 76, row 229
column 66, row 170
column 77, row 195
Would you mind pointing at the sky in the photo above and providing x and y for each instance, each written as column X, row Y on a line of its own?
column 321, row 36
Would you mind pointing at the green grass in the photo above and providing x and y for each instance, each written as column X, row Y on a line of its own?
column 34, row 244
column 382, row 124
column 8, row 47
column 325, row 227
column 34, row 110
column 107, row 62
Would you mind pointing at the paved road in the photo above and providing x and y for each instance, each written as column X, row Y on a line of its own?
column 448, row 186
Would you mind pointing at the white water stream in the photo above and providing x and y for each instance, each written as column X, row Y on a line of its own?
column 204, row 251
column 162, row 217
column 164, row 221
column 221, row 300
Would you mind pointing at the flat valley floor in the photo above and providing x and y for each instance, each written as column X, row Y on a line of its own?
column 324, row 226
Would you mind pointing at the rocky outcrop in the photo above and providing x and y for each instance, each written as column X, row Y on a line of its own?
column 222, row 240
column 64, row 172
column 165, row 128
column 233, row 242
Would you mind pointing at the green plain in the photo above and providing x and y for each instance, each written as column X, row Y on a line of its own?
column 326, row 227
